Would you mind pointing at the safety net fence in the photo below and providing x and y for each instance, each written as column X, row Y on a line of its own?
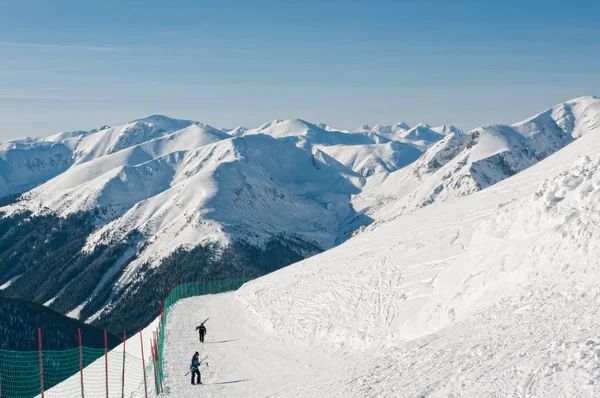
column 78, row 372
column 133, row 369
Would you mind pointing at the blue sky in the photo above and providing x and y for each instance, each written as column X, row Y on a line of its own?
column 67, row 65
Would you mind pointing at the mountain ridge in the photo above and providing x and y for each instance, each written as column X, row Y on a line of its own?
column 158, row 192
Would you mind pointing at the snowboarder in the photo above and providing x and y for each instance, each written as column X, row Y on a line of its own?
column 201, row 331
column 194, row 368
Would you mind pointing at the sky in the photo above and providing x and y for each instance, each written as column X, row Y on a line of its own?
column 77, row 65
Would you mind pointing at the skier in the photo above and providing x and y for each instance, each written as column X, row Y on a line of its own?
column 201, row 331
column 194, row 368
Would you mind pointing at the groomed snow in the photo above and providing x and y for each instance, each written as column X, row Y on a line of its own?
column 490, row 295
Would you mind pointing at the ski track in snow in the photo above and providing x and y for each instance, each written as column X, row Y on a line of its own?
column 491, row 295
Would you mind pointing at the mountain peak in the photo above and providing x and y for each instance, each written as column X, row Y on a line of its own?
column 402, row 125
column 584, row 98
column 327, row 127
column 157, row 118
column 166, row 123
column 236, row 132
column 422, row 133
column 363, row 129
column 446, row 129
column 574, row 118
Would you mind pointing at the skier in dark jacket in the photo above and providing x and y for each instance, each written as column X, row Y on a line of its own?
column 194, row 368
column 201, row 331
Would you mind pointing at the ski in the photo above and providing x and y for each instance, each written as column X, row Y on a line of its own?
column 201, row 362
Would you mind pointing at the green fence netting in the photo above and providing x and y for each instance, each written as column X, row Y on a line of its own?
column 20, row 370
column 74, row 373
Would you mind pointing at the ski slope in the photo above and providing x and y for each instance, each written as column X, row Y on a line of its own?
column 490, row 295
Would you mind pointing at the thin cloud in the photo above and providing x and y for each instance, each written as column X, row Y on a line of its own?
column 42, row 97
column 65, row 46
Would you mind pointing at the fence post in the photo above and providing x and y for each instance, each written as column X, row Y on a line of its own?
column 41, row 365
column 154, row 366
column 80, row 361
column 123, row 376
column 143, row 365
column 159, row 364
column 106, row 361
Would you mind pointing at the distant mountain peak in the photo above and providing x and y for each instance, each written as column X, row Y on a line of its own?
column 103, row 127
column 446, row 129
column 422, row 125
column 236, row 132
column 159, row 118
column 327, row 127
column 402, row 125
column 584, row 98
column 363, row 129
column 167, row 123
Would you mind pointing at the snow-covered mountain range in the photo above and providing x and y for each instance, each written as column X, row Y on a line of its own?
column 463, row 163
column 158, row 185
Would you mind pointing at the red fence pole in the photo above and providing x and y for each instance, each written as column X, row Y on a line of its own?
column 154, row 366
column 143, row 364
column 106, row 361
column 41, row 365
column 80, row 361
column 123, row 377
column 160, row 372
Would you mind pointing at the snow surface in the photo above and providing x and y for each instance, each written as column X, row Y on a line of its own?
column 367, row 160
column 9, row 282
column 492, row 294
